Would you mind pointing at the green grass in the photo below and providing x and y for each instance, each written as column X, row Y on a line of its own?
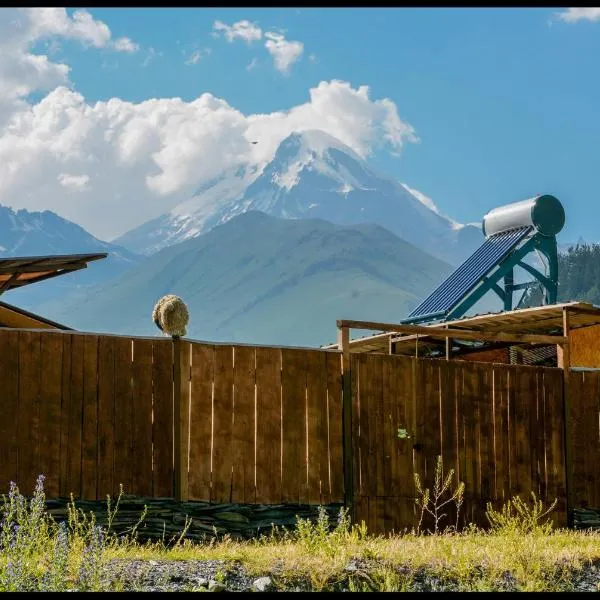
column 38, row 554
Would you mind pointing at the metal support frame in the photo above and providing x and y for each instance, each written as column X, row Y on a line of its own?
column 505, row 274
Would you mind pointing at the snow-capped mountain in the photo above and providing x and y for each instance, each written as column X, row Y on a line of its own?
column 312, row 175
column 24, row 233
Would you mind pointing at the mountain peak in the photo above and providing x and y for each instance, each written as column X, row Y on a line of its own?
column 315, row 141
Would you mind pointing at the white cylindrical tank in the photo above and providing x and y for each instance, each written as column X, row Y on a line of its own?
column 545, row 213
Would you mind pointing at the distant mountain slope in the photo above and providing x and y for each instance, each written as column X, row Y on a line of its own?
column 24, row 233
column 259, row 279
column 312, row 175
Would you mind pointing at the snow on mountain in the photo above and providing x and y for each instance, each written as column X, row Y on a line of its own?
column 312, row 175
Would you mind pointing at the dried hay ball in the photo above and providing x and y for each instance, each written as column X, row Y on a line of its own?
column 171, row 315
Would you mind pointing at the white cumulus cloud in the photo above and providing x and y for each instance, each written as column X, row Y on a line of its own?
column 241, row 30
column 124, row 44
column 285, row 53
column 144, row 158
column 572, row 15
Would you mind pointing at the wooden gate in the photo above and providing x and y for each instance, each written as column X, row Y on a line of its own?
column 500, row 427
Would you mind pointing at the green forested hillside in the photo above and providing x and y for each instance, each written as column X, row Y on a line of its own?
column 579, row 274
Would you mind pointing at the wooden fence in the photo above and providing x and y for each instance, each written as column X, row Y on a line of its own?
column 91, row 412
column 264, row 425
column 499, row 427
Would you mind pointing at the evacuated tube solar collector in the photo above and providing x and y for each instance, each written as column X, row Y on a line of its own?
column 512, row 232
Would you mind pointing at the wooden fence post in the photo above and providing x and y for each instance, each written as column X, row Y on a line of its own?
column 344, row 346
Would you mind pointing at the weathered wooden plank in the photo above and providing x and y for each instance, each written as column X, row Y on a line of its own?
column 502, row 483
column 181, row 417
column 268, row 426
column 201, row 421
column 486, row 433
column 358, row 432
column 142, row 417
column 391, row 445
column 106, row 413
column 378, row 441
column 222, row 424
column 556, row 447
column 89, row 470
column 579, row 401
column 123, row 434
column 538, row 428
column 335, row 444
column 49, row 411
column 362, row 385
column 75, row 451
column 525, row 390
column 29, row 427
column 449, row 427
column 162, row 423
column 317, row 491
column 293, row 397
column 590, row 434
column 9, row 433
column 244, row 426
column 65, row 412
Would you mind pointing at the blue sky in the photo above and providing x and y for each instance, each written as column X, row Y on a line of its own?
column 504, row 101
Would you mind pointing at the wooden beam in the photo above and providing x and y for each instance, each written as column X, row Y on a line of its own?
column 566, row 365
column 460, row 334
column 348, row 448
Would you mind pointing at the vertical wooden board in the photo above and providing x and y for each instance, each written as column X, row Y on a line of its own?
column 65, row 412
column 50, row 407
column 595, row 444
column 556, row 443
column 502, row 483
column 431, row 433
column 89, row 469
column 317, row 491
column 486, row 414
column 106, row 421
column 201, row 421
column 29, row 395
column 448, row 419
column 392, row 444
column 405, row 385
column 578, row 400
column 182, row 411
column 589, row 429
column 268, row 426
column 222, row 424
column 123, row 434
column 243, row 433
column 524, row 390
column 75, row 386
column 334, row 420
column 468, row 409
column 9, row 433
column 361, row 386
column 462, row 404
column 293, row 397
column 357, row 427
column 162, row 425
column 142, row 417
column 537, row 417
column 378, row 441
